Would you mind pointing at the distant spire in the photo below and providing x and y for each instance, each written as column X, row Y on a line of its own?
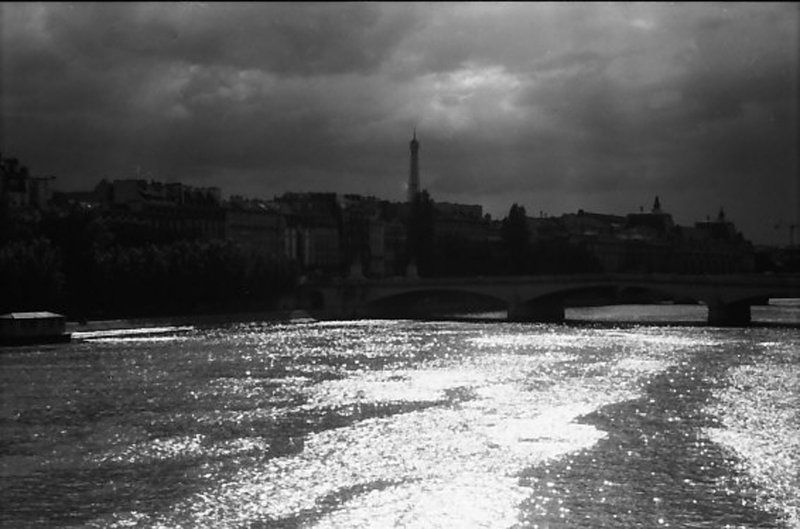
column 413, row 173
column 657, row 205
column 721, row 216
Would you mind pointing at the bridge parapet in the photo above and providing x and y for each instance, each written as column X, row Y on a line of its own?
column 541, row 298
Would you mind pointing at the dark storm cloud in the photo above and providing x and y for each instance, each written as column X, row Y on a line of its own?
column 283, row 38
column 182, row 84
column 557, row 106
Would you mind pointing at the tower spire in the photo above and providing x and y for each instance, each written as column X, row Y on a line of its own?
column 413, row 172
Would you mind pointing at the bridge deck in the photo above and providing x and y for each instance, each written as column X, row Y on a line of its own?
column 542, row 298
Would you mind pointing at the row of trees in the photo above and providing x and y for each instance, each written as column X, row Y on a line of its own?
column 77, row 264
column 80, row 264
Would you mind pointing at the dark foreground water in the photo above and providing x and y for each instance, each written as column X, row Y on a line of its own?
column 405, row 424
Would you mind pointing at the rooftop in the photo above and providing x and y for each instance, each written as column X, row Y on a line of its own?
column 39, row 315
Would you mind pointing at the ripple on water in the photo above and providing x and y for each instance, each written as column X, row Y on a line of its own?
column 760, row 415
column 388, row 423
column 452, row 458
column 130, row 332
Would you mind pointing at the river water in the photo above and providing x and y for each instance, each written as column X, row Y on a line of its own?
column 407, row 424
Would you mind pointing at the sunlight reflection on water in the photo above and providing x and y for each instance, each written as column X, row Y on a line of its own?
column 455, row 462
column 760, row 412
column 400, row 424
column 110, row 333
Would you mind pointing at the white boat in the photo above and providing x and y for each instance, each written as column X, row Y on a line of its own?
column 27, row 328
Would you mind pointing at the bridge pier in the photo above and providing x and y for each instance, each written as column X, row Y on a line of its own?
column 537, row 311
column 730, row 315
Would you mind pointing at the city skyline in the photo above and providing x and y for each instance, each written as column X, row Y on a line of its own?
column 556, row 107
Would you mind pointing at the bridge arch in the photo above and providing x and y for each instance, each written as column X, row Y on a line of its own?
column 311, row 298
column 550, row 305
column 431, row 302
column 736, row 310
column 543, row 298
column 654, row 293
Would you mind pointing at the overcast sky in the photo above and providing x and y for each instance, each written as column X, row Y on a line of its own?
column 554, row 106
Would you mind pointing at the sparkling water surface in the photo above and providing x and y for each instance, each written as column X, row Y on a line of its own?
column 406, row 424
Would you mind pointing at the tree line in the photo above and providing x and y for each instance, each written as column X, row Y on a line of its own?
column 88, row 267
column 80, row 265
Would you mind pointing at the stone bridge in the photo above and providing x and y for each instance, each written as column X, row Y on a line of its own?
column 543, row 298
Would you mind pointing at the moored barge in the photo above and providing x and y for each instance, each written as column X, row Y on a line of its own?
column 31, row 328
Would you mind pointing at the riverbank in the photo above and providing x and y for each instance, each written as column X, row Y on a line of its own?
column 780, row 313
